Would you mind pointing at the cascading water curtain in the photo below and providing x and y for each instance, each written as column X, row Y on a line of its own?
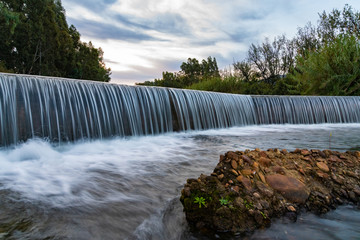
column 306, row 109
column 67, row 109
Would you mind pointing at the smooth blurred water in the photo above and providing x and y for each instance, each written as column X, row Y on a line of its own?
column 129, row 188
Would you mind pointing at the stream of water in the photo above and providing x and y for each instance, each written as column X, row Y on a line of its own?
column 129, row 188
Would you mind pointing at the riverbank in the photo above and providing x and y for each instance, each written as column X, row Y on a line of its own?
column 247, row 190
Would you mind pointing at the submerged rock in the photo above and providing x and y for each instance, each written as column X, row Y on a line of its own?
column 248, row 189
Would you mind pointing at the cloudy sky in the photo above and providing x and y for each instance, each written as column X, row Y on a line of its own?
column 142, row 38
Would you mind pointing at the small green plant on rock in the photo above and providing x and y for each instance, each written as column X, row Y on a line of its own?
column 248, row 205
column 200, row 201
column 223, row 201
column 263, row 214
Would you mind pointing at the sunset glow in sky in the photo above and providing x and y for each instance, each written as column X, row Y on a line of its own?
column 141, row 39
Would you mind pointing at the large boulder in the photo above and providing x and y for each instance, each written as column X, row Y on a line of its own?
column 248, row 189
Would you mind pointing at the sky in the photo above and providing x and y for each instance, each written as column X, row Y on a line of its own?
column 143, row 38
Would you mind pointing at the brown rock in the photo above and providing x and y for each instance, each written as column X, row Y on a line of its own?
column 322, row 154
column 291, row 209
column 234, row 164
column 247, row 159
column 187, row 191
column 323, row 167
column 246, row 172
column 357, row 190
column 337, row 179
column 284, row 151
column 291, row 188
column 222, row 158
column 239, row 178
column 264, row 161
column 357, row 154
column 351, row 174
column 263, row 154
column 234, row 172
column 262, row 177
column 235, row 188
column 257, row 195
column 268, row 192
column 232, row 155
column 246, row 183
column 221, row 176
column 297, row 150
column 278, row 169
column 334, row 158
column 305, row 152
column 322, row 175
column 256, row 165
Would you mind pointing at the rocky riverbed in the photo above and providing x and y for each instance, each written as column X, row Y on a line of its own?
column 248, row 189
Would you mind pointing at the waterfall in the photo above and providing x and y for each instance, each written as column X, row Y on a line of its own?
column 306, row 109
column 67, row 110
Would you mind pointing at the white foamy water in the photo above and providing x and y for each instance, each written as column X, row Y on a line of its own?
column 129, row 188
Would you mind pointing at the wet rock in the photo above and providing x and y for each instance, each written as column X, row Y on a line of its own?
column 247, row 172
column 291, row 188
column 234, row 172
column 291, row 208
column 247, row 159
column 248, row 189
column 268, row 192
column 262, row 177
column 246, row 183
column 265, row 162
column 234, row 164
column 323, row 167
column 278, row 169
column 305, row 152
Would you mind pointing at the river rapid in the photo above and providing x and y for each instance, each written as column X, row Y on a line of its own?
column 129, row 188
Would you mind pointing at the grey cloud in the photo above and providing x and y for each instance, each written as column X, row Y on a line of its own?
column 94, row 5
column 108, row 31
column 243, row 35
column 171, row 23
column 164, row 22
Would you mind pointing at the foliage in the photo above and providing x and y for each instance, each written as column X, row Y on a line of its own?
column 271, row 61
column 192, row 72
column 224, row 201
column 332, row 70
column 200, row 201
column 263, row 214
column 248, row 205
column 35, row 39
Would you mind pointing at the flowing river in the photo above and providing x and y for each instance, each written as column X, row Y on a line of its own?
column 129, row 187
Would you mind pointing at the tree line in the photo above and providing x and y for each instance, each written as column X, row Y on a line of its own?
column 36, row 39
column 322, row 59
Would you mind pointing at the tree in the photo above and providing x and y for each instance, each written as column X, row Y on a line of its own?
column 332, row 70
column 244, row 71
column 270, row 61
column 36, row 39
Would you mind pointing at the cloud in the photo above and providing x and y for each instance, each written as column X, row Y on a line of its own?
column 108, row 31
column 143, row 38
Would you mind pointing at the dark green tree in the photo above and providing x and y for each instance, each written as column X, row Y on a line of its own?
column 36, row 40
column 332, row 70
